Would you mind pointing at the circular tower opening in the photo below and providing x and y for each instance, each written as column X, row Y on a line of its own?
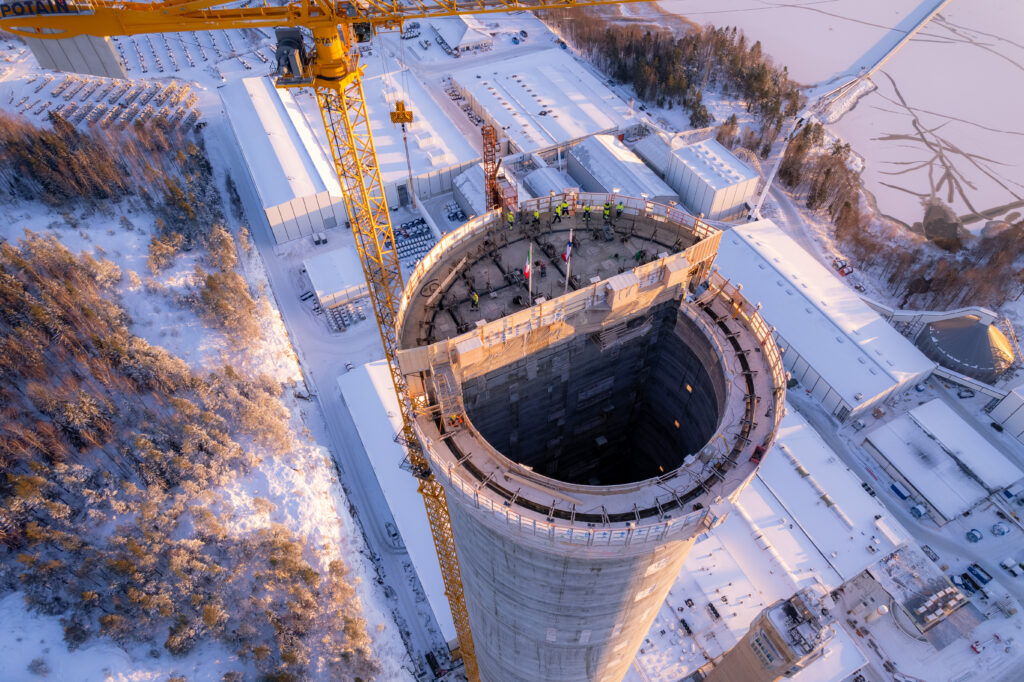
column 621, row 406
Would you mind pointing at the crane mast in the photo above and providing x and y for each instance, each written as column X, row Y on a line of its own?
column 333, row 72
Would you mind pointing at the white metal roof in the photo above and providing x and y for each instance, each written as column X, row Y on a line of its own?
column 460, row 32
column 371, row 399
column 922, row 461
column 613, row 165
column 845, row 341
column 714, row 164
column 471, row 184
column 278, row 144
column 962, row 441
column 798, row 470
column 515, row 91
column 654, row 151
column 544, row 180
column 336, row 274
column 435, row 143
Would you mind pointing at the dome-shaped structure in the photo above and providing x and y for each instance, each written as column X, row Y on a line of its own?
column 969, row 346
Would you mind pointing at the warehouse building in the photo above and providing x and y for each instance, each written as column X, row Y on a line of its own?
column 461, row 34
column 655, row 151
column 541, row 101
column 941, row 460
column 544, row 181
column 1009, row 412
column 839, row 350
column 336, row 276
column 294, row 179
column 438, row 151
column 468, row 188
column 603, row 164
column 79, row 54
column 710, row 180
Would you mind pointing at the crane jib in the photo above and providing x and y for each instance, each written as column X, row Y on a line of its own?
column 33, row 7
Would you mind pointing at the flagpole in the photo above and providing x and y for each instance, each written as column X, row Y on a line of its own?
column 529, row 278
column 568, row 263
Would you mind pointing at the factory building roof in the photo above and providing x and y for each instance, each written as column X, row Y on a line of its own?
column 612, row 165
column 278, row 144
column 461, row 32
column 435, row 143
column 823, row 320
column 470, row 183
column 515, row 92
column 370, row 396
column 543, row 181
column 943, row 457
column 336, row 276
column 655, row 152
column 714, row 164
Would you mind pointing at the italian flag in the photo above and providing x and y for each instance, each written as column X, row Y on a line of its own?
column 529, row 264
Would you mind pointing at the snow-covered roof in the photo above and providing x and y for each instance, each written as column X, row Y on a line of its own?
column 336, row 276
column 370, row 397
column 845, row 341
column 839, row 661
column 435, row 142
column 514, row 92
column 543, row 181
column 460, row 32
column 714, row 164
column 963, row 442
column 799, row 471
column 613, row 165
column 278, row 144
column 470, row 183
column 654, row 151
column 930, row 470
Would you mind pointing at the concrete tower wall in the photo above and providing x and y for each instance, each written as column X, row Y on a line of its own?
column 80, row 54
column 523, row 631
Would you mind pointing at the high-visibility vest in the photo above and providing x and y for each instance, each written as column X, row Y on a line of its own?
column 536, row 214
column 619, row 207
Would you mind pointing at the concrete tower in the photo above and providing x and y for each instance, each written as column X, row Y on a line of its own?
column 782, row 641
column 582, row 440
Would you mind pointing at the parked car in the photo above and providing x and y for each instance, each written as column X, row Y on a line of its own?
column 965, row 393
column 1011, row 566
column 846, row 271
column 959, row 582
column 974, row 535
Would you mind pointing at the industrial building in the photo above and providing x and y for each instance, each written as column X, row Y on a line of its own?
column 601, row 163
column 1009, row 412
column 711, row 181
column 784, row 639
column 542, row 100
column 581, row 440
column 461, row 34
column 969, row 345
column 468, row 187
column 336, row 277
column 941, row 460
column 541, row 182
column 839, row 350
column 438, row 151
column 294, row 179
column 79, row 54
column 655, row 151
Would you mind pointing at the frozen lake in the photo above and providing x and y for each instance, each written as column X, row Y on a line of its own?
column 943, row 120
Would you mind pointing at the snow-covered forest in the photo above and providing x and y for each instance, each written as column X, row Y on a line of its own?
column 116, row 454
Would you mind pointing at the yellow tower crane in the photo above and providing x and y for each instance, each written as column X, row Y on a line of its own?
column 332, row 70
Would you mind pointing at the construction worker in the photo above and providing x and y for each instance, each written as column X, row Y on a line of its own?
column 475, row 298
column 511, row 219
column 618, row 209
column 586, row 214
column 607, row 211
column 536, row 217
